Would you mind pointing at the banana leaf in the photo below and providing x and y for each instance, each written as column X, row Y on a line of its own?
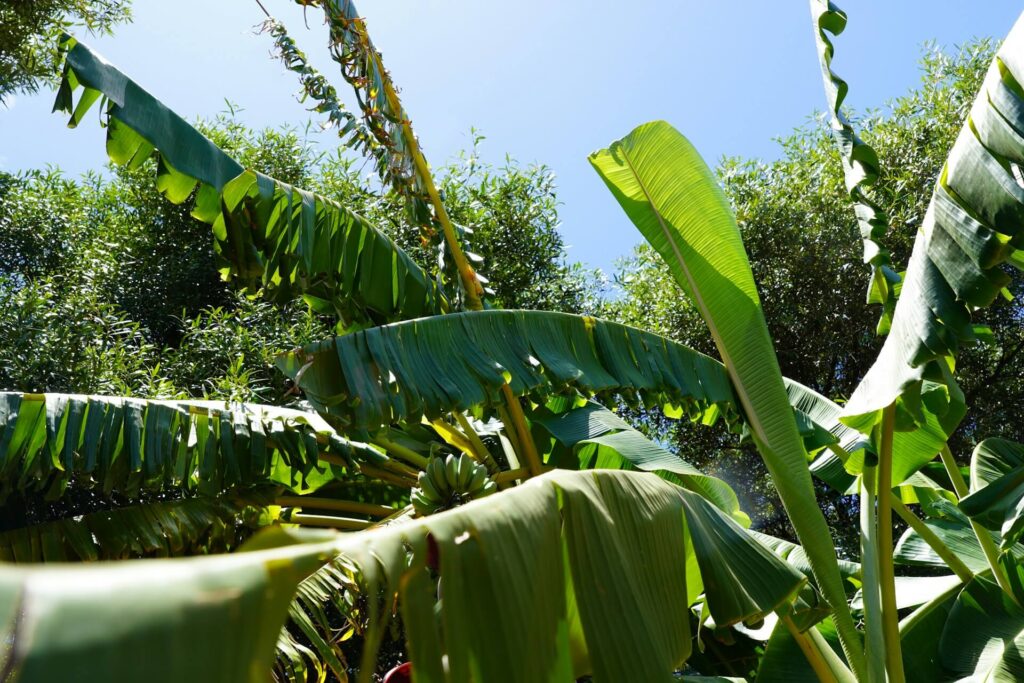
column 436, row 365
column 589, row 563
column 196, row 619
column 132, row 445
column 860, row 165
column 572, row 573
column 970, row 229
column 996, row 500
column 598, row 438
column 674, row 200
column 161, row 529
column 270, row 235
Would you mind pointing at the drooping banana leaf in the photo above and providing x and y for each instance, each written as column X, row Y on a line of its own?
column 844, row 459
column 384, row 118
column 598, row 438
column 860, row 165
column 269, row 234
column 623, row 611
column 161, row 529
column 445, row 363
column 997, row 488
column 387, row 136
column 291, row 242
column 983, row 637
column 202, row 619
column 954, row 529
column 797, row 557
column 673, row 198
column 920, row 634
column 969, row 230
column 569, row 574
column 133, row 445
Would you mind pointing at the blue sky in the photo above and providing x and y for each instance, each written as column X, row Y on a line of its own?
column 545, row 81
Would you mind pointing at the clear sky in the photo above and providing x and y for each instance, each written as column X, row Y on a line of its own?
column 545, row 81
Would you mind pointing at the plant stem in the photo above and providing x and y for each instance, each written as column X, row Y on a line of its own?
column 470, row 283
column 511, row 475
column 483, row 455
column 401, row 452
column 931, row 538
column 874, row 640
column 823, row 660
column 529, row 449
column 886, row 567
column 328, row 521
column 377, row 473
column 335, row 505
column 988, row 546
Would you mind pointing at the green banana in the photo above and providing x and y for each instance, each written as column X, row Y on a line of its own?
column 448, row 481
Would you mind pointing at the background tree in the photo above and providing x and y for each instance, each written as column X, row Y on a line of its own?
column 801, row 235
column 29, row 32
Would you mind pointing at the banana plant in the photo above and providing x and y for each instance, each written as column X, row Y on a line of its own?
column 352, row 469
column 428, row 438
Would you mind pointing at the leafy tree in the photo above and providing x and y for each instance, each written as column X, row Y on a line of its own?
column 29, row 32
column 802, row 239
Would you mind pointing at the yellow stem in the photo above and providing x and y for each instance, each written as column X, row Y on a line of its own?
column 931, row 538
column 529, row 451
column 470, row 283
column 988, row 546
column 399, row 451
column 335, row 505
column 384, row 475
column 345, row 523
column 483, row 455
column 886, row 567
column 814, row 650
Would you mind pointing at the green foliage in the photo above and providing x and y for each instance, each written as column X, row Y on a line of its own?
column 804, row 247
column 29, row 33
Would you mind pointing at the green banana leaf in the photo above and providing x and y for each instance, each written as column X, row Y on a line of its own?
column 970, row 229
column 598, row 438
column 585, row 562
column 983, row 637
column 672, row 197
column 920, row 634
column 270, row 235
column 436, row 365
column 209, row 619
column 783, row 661
column 860, row 165
column 132, row 445
column 914, row 591
column 569, row 574
column 997, row 488
column 797, row 556
column 161, row 529
column 844, row 460
column 953, row 528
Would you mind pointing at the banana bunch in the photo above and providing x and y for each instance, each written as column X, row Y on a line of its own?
column 449, row 481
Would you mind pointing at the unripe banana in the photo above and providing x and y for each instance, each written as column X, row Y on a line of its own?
column 451, row 472
column 448, row 481
column 466, row 470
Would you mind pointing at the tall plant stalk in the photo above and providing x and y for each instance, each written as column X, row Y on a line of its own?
column 988, row 546
column 874, row 641
column 962, row 571
column 886, row 568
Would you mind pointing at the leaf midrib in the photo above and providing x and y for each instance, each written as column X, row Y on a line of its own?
column 752, row 416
